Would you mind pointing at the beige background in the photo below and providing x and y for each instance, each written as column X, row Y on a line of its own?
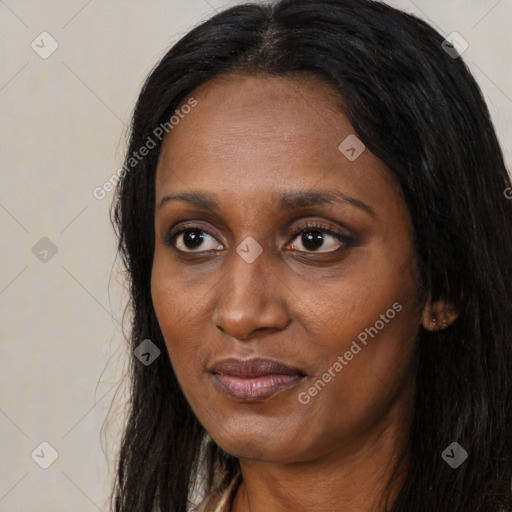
column 63, row 129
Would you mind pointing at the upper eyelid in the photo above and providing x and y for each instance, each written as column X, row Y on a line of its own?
column 311, row 224
column 308, row 219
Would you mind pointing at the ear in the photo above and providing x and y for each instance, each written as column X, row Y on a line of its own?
column 438, row 315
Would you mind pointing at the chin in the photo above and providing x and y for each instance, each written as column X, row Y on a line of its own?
column 257, row 443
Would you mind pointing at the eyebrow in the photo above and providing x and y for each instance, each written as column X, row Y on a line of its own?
column 286, row 201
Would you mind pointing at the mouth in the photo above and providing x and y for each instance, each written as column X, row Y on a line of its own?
column 252, row 380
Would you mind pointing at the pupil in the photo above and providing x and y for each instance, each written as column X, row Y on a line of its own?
column 313, row 238
column 192, row 239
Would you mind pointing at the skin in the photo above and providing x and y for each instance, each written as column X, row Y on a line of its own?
column 248, row 138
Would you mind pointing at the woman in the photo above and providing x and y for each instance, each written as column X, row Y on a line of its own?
column 313, row 219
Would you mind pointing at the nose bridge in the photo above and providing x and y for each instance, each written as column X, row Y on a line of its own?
column 249, row 297
column 245, row 278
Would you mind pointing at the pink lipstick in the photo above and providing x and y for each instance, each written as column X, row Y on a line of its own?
column 255, row 379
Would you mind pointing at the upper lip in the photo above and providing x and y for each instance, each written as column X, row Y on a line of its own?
column 255, row 367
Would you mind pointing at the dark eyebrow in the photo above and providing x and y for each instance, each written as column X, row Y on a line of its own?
column 293, row 200
column 287, row 201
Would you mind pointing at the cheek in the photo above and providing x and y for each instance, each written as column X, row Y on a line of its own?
column 370, row 318
column 360, row 344
column 361, row 361
column 341, row 308
column 174, row 308
column 172, row 295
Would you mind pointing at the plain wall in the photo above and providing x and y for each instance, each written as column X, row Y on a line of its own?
column 63, row 128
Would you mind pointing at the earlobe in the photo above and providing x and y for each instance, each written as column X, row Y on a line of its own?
column 438, row 315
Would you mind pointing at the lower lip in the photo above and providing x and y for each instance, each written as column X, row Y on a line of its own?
column 252, row 389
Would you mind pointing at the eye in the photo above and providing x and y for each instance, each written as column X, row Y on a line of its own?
column 312, row 237
column 190, row 239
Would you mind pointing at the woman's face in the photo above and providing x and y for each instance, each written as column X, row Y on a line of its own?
column 337, row 306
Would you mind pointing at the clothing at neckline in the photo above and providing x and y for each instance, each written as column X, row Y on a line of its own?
column 221, row 499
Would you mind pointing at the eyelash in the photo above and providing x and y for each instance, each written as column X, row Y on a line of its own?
column 347, row 240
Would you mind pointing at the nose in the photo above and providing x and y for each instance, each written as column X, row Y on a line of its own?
column 251, row 299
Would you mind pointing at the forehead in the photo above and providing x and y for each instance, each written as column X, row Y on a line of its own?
column 258, row 134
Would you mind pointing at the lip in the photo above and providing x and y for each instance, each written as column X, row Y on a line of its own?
column 255, row 379
column 254, row 367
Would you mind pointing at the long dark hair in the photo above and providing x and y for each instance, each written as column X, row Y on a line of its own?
column 419, row 110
